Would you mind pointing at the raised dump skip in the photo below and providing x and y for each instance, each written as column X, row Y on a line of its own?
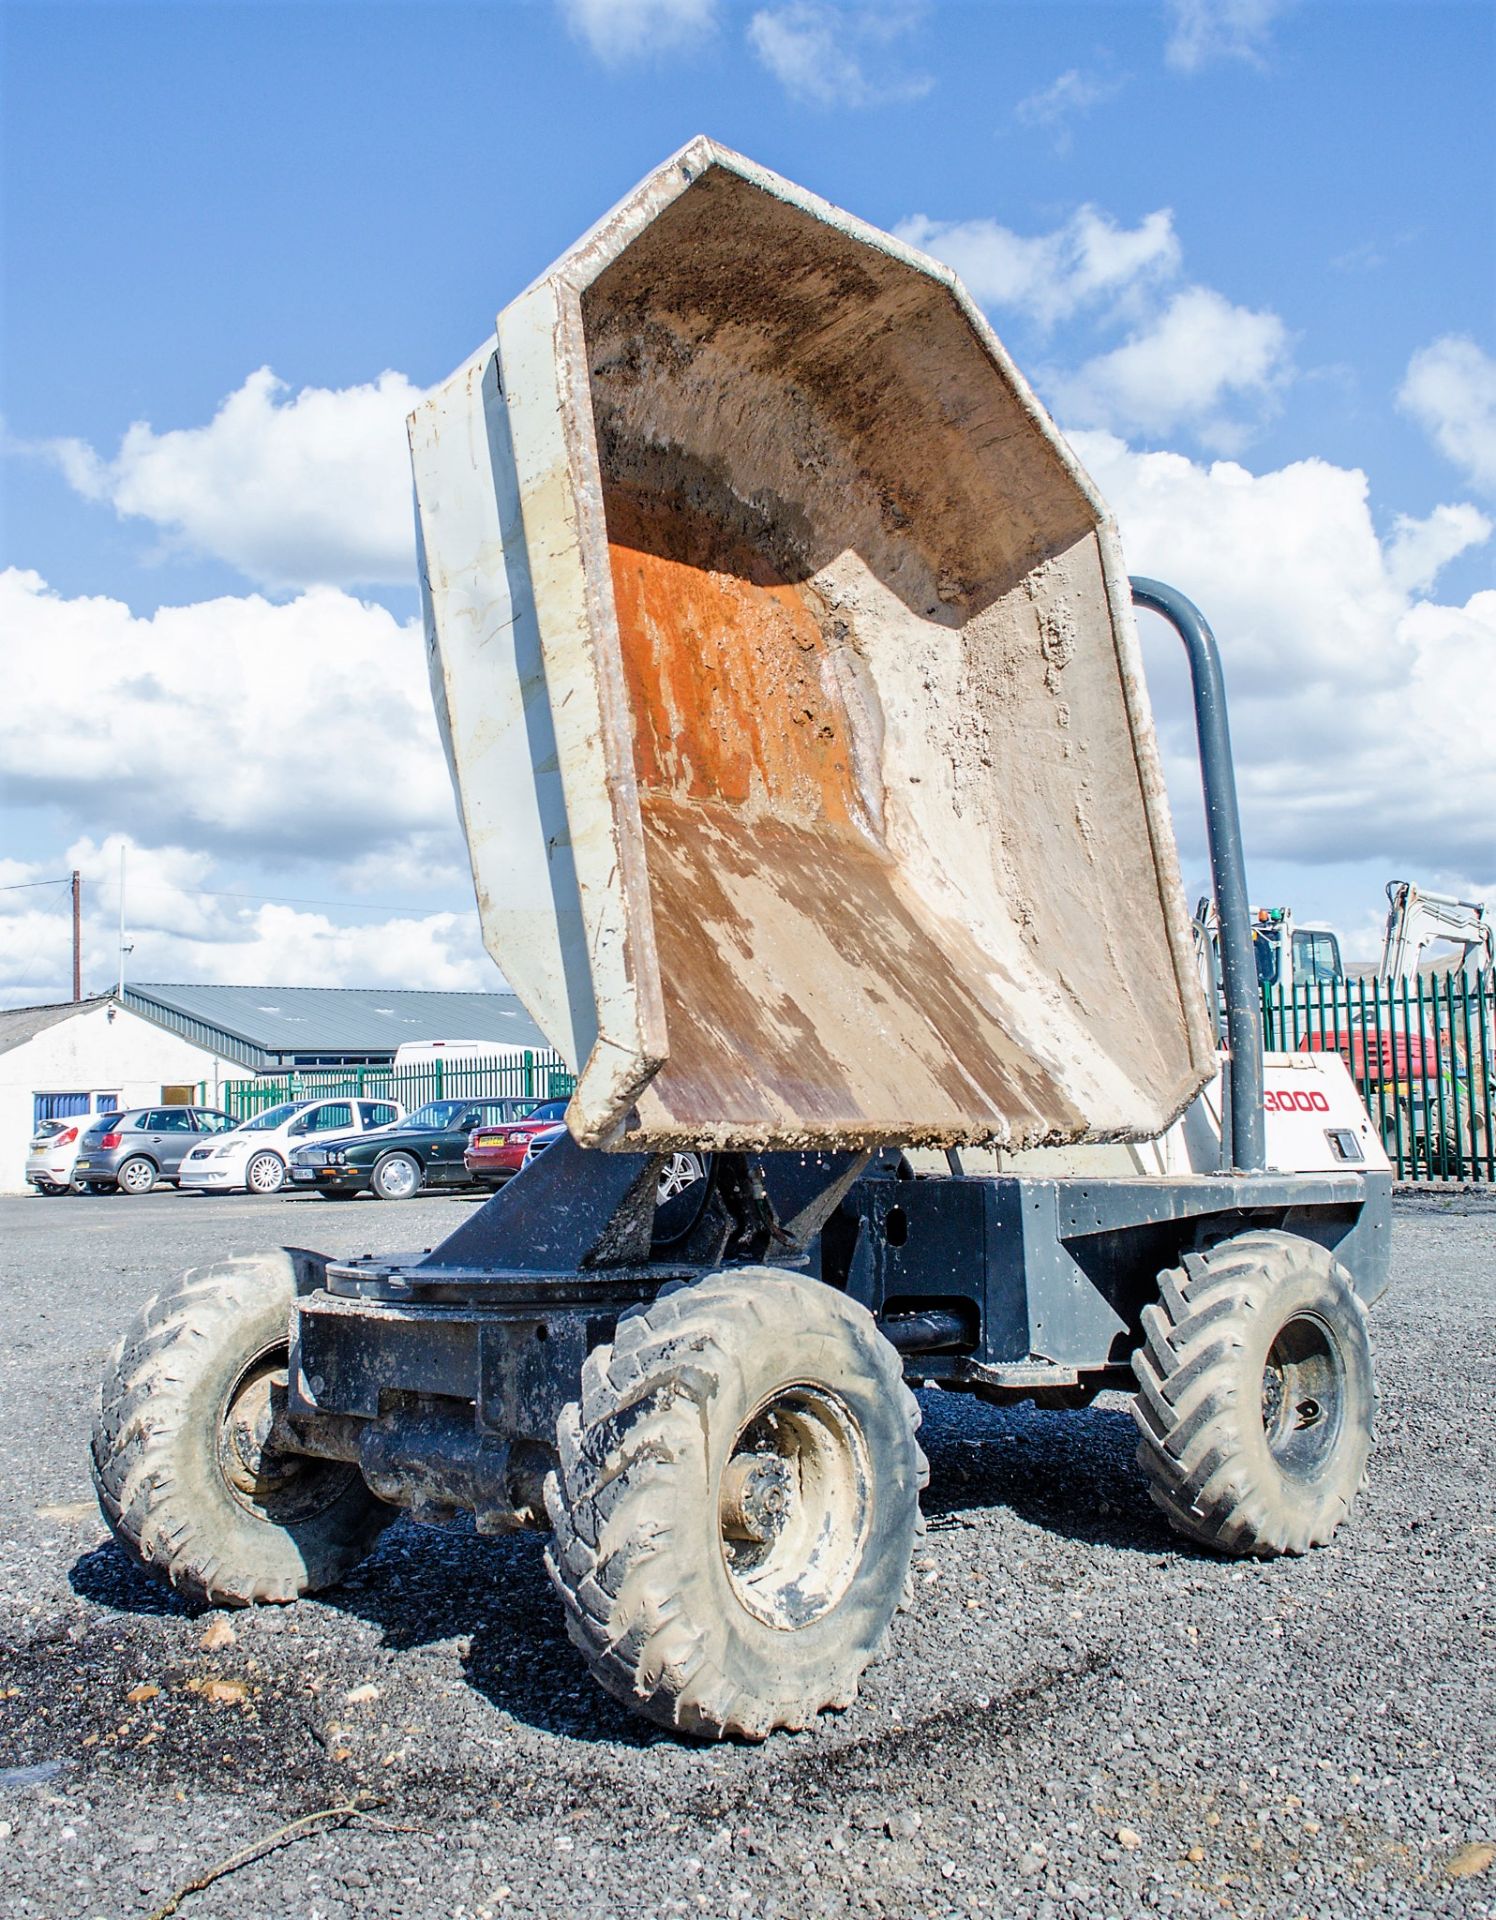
column 786, row 666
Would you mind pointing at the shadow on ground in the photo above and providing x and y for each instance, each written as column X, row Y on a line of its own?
column 1066, row 1473
column 1072, row 1473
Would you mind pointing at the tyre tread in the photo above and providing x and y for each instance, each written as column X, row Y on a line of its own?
column 1189, row 1408
column 609, row 1498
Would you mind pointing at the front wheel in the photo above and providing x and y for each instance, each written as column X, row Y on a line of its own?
column 184, row 1457
column 265, row 1173
column 1256, row 1400
column 736, row 1504
column 396, row 1177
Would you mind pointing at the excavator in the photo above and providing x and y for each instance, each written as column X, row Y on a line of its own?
column 1416, row 919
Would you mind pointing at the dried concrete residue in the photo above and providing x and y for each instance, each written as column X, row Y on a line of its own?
column 899, row 861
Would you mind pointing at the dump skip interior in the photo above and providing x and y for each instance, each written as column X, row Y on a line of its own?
column 899, row 863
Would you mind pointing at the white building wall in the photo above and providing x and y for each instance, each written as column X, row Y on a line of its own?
column 92, row 1052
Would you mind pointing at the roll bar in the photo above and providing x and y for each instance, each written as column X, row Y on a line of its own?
column 1228, row 871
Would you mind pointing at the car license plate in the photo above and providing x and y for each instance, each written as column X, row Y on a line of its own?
column 303, row 1173
column 82, row 1163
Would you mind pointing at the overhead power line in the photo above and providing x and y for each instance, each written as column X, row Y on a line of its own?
column 218, row 893
column 279, row 899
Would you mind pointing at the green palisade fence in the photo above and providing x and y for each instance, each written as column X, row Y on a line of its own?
column 1421, row 1053
column 530, row 1076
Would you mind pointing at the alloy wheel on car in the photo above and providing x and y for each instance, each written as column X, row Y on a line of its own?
column 136, row 1176
column 396, row 1177
column 265, row 1173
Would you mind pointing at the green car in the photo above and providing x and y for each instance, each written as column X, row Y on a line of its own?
column 424, row 1150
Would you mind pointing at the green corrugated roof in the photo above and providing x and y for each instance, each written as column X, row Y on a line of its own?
column 269, row 1026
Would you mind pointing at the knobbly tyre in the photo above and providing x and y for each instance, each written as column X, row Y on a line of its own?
column 786, row 667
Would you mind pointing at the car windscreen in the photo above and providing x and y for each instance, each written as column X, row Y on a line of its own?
column 548, row 1110
column 438, row 1114
column 273, row 1117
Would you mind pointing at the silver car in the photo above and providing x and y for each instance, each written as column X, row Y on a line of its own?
column 134, row 1151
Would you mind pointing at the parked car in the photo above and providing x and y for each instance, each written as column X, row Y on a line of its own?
column 255, row 1156
column 425, row 1150
column 133, row 1151
column 496, row 1153
column 542, row 1138
column 680, row 1198
column 54, row 1151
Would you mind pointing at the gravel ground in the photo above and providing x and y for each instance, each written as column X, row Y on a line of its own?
column 1079, row 1717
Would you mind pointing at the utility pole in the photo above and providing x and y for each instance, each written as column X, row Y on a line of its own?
column 122, row 923
column 77, row 935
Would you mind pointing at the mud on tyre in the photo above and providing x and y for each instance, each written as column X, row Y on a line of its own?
column 736, row 1504
column 183, row 1457
column 1256, row 1404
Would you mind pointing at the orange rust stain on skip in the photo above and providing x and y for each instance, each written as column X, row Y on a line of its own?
column 723, row 658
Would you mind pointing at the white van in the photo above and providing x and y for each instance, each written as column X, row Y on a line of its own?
column 252, row 1159
column 456, row 1053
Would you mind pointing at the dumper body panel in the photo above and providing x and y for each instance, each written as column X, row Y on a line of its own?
column 829, row 648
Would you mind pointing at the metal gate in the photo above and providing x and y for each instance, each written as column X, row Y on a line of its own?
column 1420, row 1052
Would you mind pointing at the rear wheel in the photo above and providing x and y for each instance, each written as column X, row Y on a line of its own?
column 396, row 1177
column 265, row 1173
column 736, row 1504
column 185, row 1459
column 136, row 1175
column 1256, row 1400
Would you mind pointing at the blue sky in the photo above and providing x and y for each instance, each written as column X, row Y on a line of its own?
column 1245, row 249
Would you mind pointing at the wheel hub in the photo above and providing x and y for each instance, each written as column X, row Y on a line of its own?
column 1303, row 1392
column 250, row 1461
column 758, row 1493
column 795, row 1507
column 281, row 1486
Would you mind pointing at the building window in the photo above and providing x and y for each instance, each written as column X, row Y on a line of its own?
column 57, row 1106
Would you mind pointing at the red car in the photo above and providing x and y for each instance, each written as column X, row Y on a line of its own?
column 496, row 1153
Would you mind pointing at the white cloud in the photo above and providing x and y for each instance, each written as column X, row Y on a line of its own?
column 618, row 30
column 1419, row 550
column 298, row 729
column 1192, row 360
column 1205, row 31
column 1184, row 368
column 1073, row 94
column 308, row 490
column 1350, row 696
column 180, row 926
column 421, row 862
column 1050, row 277
column 1450, row 390
column 819, row 53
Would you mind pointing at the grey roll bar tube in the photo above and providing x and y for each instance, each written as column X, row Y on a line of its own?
column 1228, row 869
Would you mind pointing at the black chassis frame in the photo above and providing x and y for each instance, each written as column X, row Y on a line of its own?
column 442, row 1374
